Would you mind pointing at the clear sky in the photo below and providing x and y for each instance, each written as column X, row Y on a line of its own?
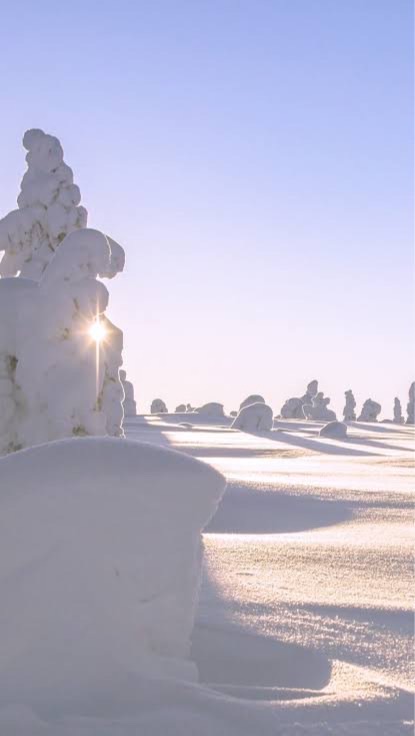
column 255, row 160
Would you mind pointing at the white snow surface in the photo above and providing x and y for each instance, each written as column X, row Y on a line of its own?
column 305, row 621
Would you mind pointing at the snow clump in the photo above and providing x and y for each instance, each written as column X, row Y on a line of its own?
column 100, row 564
column 254, row 418
column 337, row 430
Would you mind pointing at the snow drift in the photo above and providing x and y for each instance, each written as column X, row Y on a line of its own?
column 100, row 557
column 254, row 418
column 211, row 409
column 335, row 429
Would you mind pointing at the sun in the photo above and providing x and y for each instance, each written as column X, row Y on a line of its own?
column 98, row 331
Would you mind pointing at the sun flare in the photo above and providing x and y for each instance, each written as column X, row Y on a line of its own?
column 98, row 331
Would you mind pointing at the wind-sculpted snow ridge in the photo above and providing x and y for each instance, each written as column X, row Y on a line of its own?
column 129, row 405
column 48, row 209
column 55, row 380
column 254, row 418
column 100, row 560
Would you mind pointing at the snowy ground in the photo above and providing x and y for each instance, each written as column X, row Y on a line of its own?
column 305, row 624
column 307, row 596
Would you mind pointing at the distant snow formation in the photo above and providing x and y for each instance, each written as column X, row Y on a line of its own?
column 158, row 407
column 252, row 399
column 397, row 411
column 254, row 418
column 293, row 408
column 129, row 405
column 318, row 409
column 410, row 407
column 349, row 413
column 212, row 409
column 101, row 576
column 370, row 411
column 337, row 430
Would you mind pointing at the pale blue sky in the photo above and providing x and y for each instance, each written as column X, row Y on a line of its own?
column 255, row 159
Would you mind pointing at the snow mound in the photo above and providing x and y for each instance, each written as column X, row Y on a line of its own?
column 252, row 399
column 100, row 558
column 158, row 407
column 254, row 418
column 334, row 429
column 212, row 409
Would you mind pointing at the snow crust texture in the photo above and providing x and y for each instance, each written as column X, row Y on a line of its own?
column 100, row 558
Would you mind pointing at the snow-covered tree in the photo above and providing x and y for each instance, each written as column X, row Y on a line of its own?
column 158, row 407
column 370, row 411
column 130, row 407
column 59, row 354
column 318, row 409
column 293, row 408
column 349, row 407
column 410, row 407
column 397, row 412
column 48, row 209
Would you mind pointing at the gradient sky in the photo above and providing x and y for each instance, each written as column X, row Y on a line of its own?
column 255, row 160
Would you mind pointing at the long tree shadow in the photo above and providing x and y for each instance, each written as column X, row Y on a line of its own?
column 247, row 510
column 228, row 653
column 310, row 444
